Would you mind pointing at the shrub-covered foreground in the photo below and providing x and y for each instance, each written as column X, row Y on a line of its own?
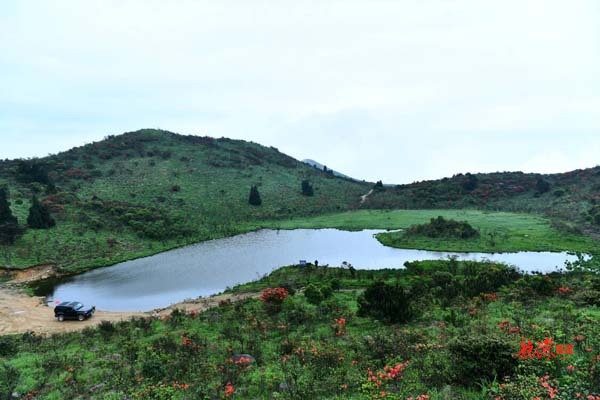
column 462, row 326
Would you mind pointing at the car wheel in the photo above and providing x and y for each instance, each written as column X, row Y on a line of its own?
column 81, row 317
column 60, row 318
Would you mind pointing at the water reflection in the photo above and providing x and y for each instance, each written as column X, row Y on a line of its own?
column 209, row 267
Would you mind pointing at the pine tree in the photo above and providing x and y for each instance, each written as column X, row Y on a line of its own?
column 5, row 211
column 470, row 182
column 9, row 225
column 39, row 216
column 254, row 198
column 307, row 188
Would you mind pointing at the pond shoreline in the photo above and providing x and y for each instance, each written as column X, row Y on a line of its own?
column 211, row 267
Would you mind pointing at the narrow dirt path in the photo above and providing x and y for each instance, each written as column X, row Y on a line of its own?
column 20, row 313
column 363, row 198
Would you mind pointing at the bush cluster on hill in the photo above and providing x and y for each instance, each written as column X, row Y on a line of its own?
column 441, row 227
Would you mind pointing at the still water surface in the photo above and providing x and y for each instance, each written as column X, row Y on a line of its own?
column 207, row 268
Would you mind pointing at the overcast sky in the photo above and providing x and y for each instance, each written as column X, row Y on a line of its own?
column 392, row 90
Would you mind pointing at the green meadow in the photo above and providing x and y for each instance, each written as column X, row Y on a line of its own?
column 499, row 231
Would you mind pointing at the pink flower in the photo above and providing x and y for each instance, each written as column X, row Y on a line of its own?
column 229, row 389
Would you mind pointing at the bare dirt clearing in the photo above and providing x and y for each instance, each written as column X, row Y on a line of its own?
column 20, row 313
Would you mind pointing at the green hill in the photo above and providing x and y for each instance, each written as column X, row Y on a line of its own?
column 149, row 190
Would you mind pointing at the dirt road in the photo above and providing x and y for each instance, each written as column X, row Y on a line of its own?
column 20, row 313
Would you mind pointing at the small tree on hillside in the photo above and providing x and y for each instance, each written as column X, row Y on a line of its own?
column 9, row 226
column 542, row 186
column 39, row 216
column 327, row 170
column 307, row 188
column 378, row 186
column 470, row 183
column 254, row 198
column 5, row 211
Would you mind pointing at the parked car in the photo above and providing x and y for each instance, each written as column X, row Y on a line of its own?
column 73, row 310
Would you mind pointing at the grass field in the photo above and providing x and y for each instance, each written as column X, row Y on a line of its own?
column 81, row 250
column 509, row 231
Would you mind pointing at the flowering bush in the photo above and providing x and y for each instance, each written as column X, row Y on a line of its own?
column 389, row 373
column 489, row 296
column 229, row 390
column 339, row 326
column 274, row 296
column 383, row 384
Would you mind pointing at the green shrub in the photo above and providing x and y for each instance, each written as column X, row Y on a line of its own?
column 477, row 357
column 587, row 297
column 487, row 279
column 313, row 294
column 297, row 312
column 382, row 344
column 9, row 379
column 326, row 290
column 106, row 328
column 540, row 285
column 445, row 285
column 386, row 302
column 8, row 346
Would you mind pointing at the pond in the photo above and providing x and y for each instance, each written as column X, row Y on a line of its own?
column 210, row 267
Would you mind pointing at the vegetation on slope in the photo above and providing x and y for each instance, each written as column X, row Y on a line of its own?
column 462, row 331
column 146, row 191
column 572, row 196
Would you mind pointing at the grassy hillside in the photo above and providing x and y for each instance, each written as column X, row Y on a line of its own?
column 460, row 338
column 145, row 191
column 572, row 196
